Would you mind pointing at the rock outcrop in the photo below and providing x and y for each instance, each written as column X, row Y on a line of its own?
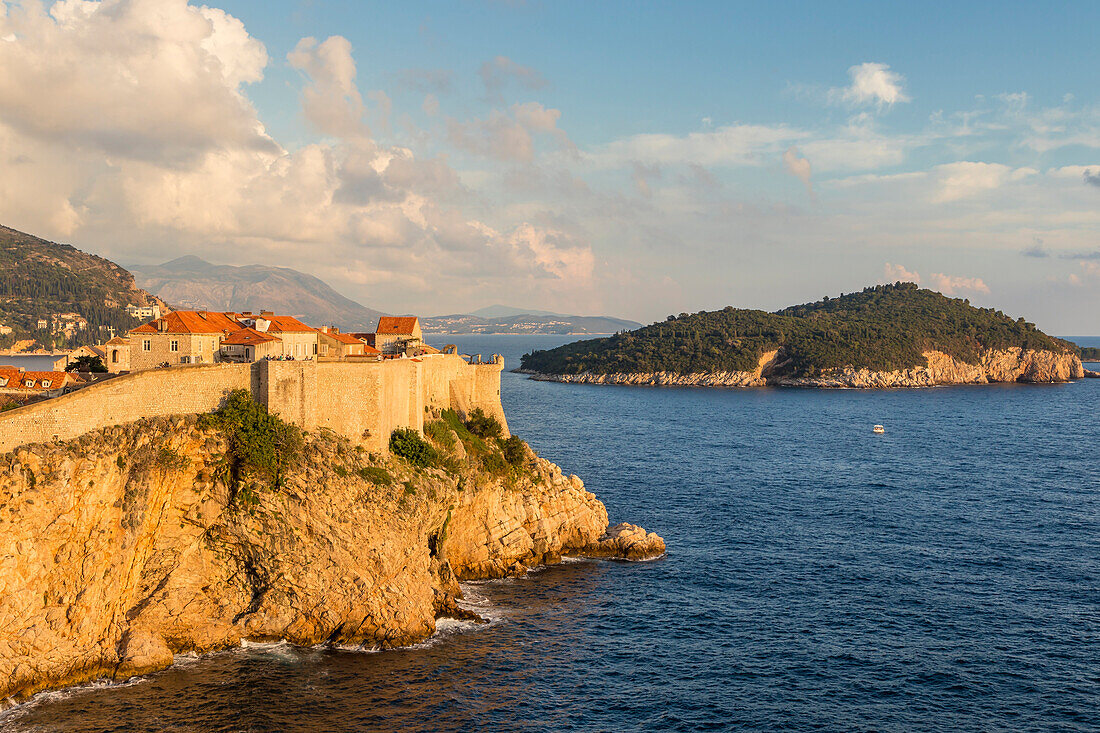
column 1003, row 365
column 128, row 545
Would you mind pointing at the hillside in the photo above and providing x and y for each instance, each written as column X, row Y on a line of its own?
column 538, row 322
column 189, row 282
column 882, row 329
column 42, row 279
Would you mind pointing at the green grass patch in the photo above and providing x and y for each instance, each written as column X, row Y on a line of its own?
column 376, row 475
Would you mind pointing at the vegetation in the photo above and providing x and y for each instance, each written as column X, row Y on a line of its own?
column 407, row 443
column 376, row 475
column 483, row 426
column 43, row 278
column 515, row 450
column 87, row 364
column 886, row 327
column 1090, row 353
column 261, row 445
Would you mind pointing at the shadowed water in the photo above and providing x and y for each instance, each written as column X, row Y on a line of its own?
column 945, row 575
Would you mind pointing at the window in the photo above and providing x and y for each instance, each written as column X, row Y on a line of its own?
column 315, row 348
column 3, row 381
column 185, row 360
column 28, row 382
column 114, row 356
column 174, row 346
column 46, row 383
column 146, row 345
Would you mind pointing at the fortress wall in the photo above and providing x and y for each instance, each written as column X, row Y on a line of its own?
column 363, row 401
column 155, row 393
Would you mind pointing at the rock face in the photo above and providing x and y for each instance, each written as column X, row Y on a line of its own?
column 126, row 546
column 1003, row 365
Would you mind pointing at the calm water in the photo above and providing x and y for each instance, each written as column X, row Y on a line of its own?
column 945, row 575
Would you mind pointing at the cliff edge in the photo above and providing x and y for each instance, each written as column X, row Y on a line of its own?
column 131, row 544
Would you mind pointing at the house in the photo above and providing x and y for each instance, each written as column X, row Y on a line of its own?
column 334, row 344
column 118, row 355
column 93, row 351
column 397, row 334
column 17, row 381
column 248, row 345
column 298, row 340
column 144, row 312
column 42, row 324
column 180, row 337
column 5, row 330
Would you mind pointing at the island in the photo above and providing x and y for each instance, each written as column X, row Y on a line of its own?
column 897, row 335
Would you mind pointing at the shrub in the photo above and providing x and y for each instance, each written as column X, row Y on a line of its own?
column 515, row 450
column 482, row 425
column 494, row 462
column 260, row 444
column 441, row 433
column 376, row 475
column 408, row 444
column 87, row 364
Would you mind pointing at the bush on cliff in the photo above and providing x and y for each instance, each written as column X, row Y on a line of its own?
column 483, row 426
column 515, row 450
column 406, row 443
column 260, row 444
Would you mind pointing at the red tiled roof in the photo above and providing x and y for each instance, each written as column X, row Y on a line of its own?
column 19, row 379
column 118, row 341
column 248, row 337
column 192, row 322
column 287, row 324
column 397, row 325
column 347, row 338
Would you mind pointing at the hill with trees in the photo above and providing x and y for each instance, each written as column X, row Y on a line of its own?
column 882, row 328
column 42, row 280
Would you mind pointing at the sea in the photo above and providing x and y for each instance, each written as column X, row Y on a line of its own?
column 944, row 575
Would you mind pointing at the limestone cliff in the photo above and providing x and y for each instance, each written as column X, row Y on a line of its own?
column 129, row 544
column 995, row 365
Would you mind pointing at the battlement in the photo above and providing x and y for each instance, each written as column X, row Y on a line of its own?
column 363, row 401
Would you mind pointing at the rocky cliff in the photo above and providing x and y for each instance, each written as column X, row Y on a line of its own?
column 133, row 543
column 995, row 365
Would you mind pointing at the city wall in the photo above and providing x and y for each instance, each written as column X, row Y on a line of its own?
column 363, row 401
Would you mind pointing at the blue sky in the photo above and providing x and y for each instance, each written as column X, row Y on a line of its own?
column 634, row 159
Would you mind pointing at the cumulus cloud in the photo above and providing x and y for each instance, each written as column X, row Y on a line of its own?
column 798, row 166
column 951, row 285
column 509, row 136
column 966, row 179
column 331, row 102
column 1093, row 179
column 125, row 122
column 501, row 71
column 871, row 84
column 898, row 273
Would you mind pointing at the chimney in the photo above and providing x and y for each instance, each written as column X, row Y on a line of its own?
column 267, row 314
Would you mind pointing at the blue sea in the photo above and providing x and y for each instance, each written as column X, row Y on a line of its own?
column 943, row 576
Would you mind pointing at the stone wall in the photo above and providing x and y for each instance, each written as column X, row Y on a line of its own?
column 363, row 401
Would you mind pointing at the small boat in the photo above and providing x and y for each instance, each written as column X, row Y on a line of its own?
column 879, row 429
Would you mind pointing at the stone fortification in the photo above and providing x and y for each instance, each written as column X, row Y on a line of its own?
column 1003, row 365
column 363, row 401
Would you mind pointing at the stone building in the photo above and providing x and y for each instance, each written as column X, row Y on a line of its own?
column 334, row 344
column 118, row 355
column 248, row 345
column 397, row 334
column 180, row 337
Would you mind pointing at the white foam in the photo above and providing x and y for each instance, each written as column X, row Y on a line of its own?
column 282, row 650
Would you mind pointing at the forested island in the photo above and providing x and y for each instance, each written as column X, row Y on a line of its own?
column 886, row 335
column 1090, row 353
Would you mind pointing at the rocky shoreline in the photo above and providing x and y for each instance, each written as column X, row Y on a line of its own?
column 126, row 546
column 995, row 366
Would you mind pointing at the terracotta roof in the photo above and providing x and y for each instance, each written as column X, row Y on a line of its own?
column 347, row 338
column 118, row 341
column 287, row 324
column 397, row 325
column 192, row 322
column 17, row 378
column 248, row 337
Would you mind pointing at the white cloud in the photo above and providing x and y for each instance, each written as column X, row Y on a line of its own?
column 331, row 101
column 725, row 146
column 951, row 285
column 898, row 273
column 872, row 83
column 966, row 179
column 797, row 166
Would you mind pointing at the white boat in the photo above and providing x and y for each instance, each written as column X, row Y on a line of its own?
column 879, row 429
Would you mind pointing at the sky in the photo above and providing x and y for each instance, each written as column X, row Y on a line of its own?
column 634, row 159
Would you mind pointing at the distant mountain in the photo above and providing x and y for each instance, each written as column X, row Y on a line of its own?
column 524, row 323
column 43, row 280
column 193, row 283
column 505, row 311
